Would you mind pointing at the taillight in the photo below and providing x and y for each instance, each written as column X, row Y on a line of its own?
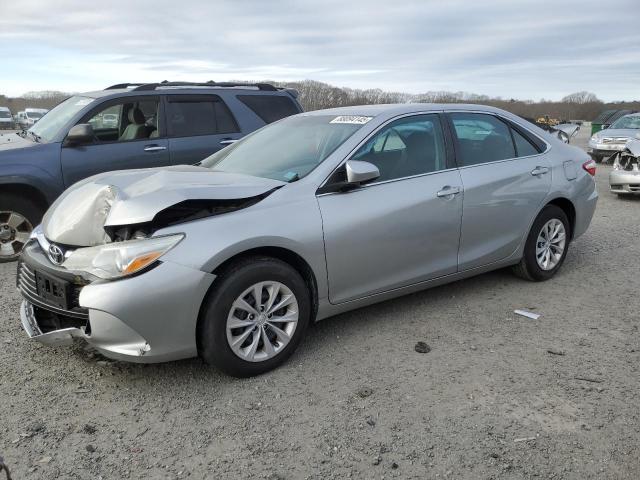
column 590, row 167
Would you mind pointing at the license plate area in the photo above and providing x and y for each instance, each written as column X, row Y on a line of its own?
column 53, row 290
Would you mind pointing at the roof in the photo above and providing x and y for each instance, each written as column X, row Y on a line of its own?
column 401, row 108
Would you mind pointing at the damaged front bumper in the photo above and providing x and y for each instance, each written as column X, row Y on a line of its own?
column 145, row 318
column 622, row 181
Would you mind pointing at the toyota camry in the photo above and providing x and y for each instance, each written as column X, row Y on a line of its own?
column 322, row 212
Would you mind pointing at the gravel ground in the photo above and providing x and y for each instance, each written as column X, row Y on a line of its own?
column 498, row 396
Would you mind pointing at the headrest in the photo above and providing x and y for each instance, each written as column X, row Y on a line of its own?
column 136, row 116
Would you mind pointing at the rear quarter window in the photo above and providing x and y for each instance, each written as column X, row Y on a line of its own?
column 270, row 108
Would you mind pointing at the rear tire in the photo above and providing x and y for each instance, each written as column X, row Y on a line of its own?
column 236, row 286
column 18, row 217
column 532, row 265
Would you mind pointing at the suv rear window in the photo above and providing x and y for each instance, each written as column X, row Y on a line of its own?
column 192, row 116
column 270, row 107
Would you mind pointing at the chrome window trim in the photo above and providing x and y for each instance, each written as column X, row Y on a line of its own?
column 384, row 182
column 425, row 112
column 366, row 139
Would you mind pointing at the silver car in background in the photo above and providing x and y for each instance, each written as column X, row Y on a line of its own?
column 612, row 140
column 311, row 216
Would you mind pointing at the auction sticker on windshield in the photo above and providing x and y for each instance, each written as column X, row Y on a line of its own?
column 352, row 119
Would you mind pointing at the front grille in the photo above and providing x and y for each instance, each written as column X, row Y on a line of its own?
column 27, row 280
column 615, row 140
column 27, row 284
column 634, row 188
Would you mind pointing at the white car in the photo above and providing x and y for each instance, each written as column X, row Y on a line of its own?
column 29, row 117
column 6, row 120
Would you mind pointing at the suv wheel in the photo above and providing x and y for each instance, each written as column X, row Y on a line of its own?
column 254, row 318
column 546, row 246
column 17, row 219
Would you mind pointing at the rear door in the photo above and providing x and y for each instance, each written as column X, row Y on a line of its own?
column 135, row 138
column 198, row 126
column 506, row 178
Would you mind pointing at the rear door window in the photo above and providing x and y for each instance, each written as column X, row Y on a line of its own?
column 189, row 116
column 270, row 108
column 481, row 138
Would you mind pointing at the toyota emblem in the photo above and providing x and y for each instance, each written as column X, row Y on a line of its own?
column 56, row 255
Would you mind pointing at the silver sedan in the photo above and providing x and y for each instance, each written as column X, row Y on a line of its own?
column 314, row 215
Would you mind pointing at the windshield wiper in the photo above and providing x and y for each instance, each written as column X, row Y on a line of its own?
column 35, row 136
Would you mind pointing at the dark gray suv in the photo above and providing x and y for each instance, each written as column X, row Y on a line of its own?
column 122, row 127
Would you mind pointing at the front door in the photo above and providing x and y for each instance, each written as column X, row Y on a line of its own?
column 128, row 134
column 404, row 227
column 505, row 177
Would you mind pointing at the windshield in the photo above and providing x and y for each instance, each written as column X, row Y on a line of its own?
column 287, row 150
column 34, row 114
column 627, row 122
column 53, row 121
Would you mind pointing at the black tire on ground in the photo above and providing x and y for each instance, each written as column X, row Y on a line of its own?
column 25, row 207
column 528, row 267
column 213, row 346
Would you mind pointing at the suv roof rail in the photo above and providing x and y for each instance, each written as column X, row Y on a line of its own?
column 119, row 86
column 211, row 84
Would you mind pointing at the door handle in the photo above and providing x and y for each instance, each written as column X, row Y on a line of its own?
column 227, row 141
column 448, row 191
column 539, row 171
column 154, row 148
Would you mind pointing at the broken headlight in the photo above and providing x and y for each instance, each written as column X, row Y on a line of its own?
column 119, row 259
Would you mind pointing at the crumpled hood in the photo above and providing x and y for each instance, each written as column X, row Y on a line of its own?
column 634, row 147
column 128, row 197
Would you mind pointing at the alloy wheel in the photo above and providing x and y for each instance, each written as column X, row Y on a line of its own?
column 550, row 244
column 15, row 230
column 262, row 321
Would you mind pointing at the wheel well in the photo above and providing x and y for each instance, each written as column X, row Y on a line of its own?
column 287, row 256
column 22, row 190
column 569, row 210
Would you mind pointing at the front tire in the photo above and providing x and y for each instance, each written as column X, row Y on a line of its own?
column 255, row 316
column 546, row 247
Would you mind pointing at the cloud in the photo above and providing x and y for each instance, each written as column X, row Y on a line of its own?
column 521, row 49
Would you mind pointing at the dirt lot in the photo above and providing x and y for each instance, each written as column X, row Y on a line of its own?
column 488, row 401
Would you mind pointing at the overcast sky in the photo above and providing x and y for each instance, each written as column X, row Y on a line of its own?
column 507, row 48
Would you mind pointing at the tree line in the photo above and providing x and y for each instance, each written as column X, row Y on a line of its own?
column 314, row 95
column 583, row 105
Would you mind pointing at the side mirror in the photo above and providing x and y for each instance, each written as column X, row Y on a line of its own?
column 80, row 134
column 360, row 172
